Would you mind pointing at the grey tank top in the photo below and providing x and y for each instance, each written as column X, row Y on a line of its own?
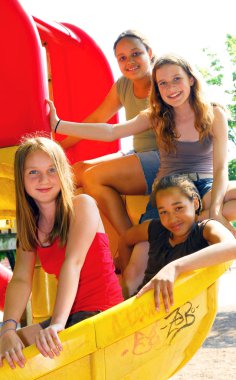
column 144, row 141
column 190, row 157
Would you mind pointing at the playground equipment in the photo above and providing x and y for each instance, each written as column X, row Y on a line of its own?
column 130, row 341
column 5, row 276
column 42, row 60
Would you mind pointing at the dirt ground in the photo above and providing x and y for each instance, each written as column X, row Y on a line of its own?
column 217, row 357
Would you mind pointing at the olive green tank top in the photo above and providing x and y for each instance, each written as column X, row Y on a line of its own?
column 144, row 141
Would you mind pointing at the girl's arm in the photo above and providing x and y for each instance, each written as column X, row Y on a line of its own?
column 17, row 295
column 223, row 249
column 98, row 131
column 108, row 108
column 85, row 223
column 127, row 241
column 220, row 167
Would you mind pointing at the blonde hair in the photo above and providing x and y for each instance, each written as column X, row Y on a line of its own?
column 162, row 114
column 27, row 212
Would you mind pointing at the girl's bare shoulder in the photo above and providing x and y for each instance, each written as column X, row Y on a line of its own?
column 219, row 110
column 84, row 199
column 216, row 232
column 220, row 122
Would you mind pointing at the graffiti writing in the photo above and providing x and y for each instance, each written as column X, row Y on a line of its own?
column 143, row 343
column 180, row 319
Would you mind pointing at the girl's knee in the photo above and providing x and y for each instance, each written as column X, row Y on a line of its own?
column 78, row 169
column 90, row 180
column 97, row 176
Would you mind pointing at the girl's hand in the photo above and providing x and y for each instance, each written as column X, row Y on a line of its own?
column 11, row 349
column 53, row 115
column 162, row 283
column 48, row 342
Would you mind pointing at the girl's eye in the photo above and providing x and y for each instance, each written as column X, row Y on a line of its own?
column 121, row 59
column 178, row 209
column 136, row 54
column 52, row 170
column 33, row 172
column 162, row 212
column 162, row 84
column 177, row 79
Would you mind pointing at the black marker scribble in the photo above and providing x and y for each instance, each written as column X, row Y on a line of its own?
column 179, row 320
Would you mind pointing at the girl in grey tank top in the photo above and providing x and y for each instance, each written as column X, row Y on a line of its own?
column 191, row 133
column 192, row 137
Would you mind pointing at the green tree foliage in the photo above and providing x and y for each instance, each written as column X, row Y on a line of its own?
column 214, row 75
column 232, row 169
column 231, row 49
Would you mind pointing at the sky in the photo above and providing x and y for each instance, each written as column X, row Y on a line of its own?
column 180, row 26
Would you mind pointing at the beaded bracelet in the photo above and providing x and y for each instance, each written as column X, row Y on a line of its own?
column 8, row 320
column 3, row 332
column 55, row 129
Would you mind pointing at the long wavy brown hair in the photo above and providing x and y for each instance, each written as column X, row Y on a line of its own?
column 27, row 212
column 162, row 115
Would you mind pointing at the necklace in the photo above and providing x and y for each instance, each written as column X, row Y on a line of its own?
column 44, row 241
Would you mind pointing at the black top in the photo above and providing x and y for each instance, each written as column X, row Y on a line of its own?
column 161, row 252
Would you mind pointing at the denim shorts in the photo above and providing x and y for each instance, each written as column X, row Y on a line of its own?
column 203, row 185
column 72, row 319
column 150, row 162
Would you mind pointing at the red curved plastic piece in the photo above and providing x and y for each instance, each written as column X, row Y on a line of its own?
column 5, row 277
column 23, row 83
column 81, row 77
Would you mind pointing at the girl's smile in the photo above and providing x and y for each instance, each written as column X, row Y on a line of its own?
column 175, row 95
column 44, row 190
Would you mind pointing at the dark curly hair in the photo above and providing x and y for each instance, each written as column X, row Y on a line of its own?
column 182, row 182
column 130, row 33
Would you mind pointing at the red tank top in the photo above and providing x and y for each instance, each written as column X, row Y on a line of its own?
column 99, row 287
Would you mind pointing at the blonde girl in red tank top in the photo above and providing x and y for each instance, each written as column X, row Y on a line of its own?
column 67, row 233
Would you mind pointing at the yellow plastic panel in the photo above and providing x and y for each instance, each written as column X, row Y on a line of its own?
column 7, row 187
column 78, row 343
column 134, row 313
column 136, row 206
column 7, row 192
column 7, row 155
column 163, row 345
column 43, row 294
column 79, row 369
column 132, row 341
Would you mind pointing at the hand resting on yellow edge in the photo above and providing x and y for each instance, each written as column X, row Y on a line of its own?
column 163, row 281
